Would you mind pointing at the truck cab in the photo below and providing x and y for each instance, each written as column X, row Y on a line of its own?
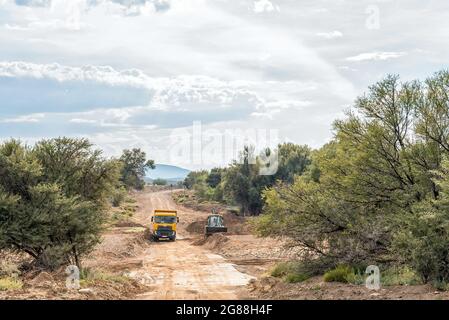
column 164, row 225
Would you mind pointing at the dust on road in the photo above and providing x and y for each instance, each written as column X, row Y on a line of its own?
column 180, row 270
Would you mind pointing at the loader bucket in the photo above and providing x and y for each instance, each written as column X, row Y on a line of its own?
column 212, row 230
column 215, row 224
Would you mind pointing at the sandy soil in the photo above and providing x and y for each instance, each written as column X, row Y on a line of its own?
column 158, row 270
column 269, row 288
column 181, row 270
column 256, row 256
column 250, row 254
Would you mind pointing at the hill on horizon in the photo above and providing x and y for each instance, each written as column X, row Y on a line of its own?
column 167, row 172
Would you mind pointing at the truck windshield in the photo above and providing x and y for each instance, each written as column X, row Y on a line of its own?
column 164, row 219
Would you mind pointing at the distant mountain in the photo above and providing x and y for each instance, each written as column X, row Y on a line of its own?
column 167, row 172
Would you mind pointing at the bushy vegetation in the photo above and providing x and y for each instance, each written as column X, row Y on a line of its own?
column 118, row 196
column 10, row 283
column 9, row 269
column 282, row 269
column 242, row 184
column 381, row 192
column 399, row 276
column 291, row 272
column 124, row 211
column 296, row 277
column 342, row 274
column 89, row 277
column 54, row 196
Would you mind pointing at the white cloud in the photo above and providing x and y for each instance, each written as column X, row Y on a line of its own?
column 261, row 6
column 112, row 117
column 376, row 56
column 277, row 107
column 211, row 60
column 187, row 94
column 330, row 35
column 55, row 71
column 168, row 93
column 79, row 120
column 32, row 118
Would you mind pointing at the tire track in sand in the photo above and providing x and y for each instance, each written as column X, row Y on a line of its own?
column 179, row 270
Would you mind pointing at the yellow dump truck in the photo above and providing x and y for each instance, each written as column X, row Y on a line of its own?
column 164, row 225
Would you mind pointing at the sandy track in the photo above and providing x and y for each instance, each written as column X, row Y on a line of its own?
column 179, row 270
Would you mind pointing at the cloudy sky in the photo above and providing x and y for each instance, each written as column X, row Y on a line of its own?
column 139, row 73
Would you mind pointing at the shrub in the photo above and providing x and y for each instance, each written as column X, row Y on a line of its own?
column 377, row 192
column 291, row 272
column 296, row 277
column 423, row 240
column 90, row 276
column 118, row 196
column 52, row 202
column 399, row 276
column 282, row 269
column 341, row 273
column 440, row 285
column 10, row 283
column 9, row 269
column 356, row 277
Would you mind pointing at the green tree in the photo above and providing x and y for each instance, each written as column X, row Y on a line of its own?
column 243, row 184
column 375, row 182
column 77, row 168
column 134, row 168
column 195, row 177
column 423, row 239
column 207, row 186
column 52, row 199
column 214, row 177
column 240, row 182
column 293, row 160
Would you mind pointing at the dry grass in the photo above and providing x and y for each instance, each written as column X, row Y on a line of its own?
column 90, row 277
column 9, row 269
column 10, row 283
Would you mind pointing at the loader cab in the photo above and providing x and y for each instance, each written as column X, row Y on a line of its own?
column 215, row 221
column 215, row 224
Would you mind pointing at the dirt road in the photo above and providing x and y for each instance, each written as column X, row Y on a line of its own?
column 180, row 270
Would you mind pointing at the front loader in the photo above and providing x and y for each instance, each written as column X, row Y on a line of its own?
column 215, row 224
